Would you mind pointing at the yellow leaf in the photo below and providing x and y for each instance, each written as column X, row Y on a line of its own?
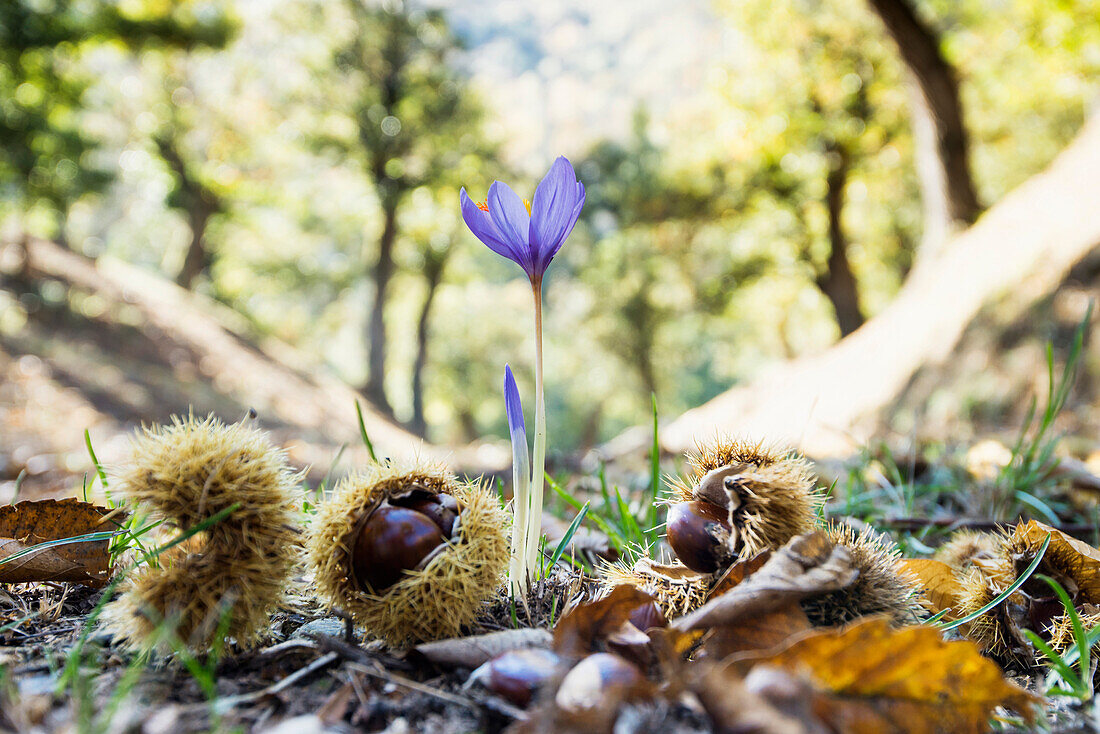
column 938, row 580
column 1078, row 560
column 874, row 678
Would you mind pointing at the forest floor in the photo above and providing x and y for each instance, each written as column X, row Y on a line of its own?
column 60, row 672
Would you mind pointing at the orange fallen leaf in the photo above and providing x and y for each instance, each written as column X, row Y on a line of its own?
column 27, row 524
column 872, row 678
column 1075, row 558
column 938, row 580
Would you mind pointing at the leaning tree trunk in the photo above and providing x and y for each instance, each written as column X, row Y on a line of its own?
column 197, row 259
column 839, row 284
column 433, row 274
column 376, row 325
column 199, row 203
column 943, row 160
column 1025, row 243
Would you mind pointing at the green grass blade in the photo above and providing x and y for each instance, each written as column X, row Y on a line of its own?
column 95, row 460
column 1004, row 594
column 363, row 432
column 16, row 622
column 569, row 533
column 331, row 468
column 86, row 538
column 1056, row 661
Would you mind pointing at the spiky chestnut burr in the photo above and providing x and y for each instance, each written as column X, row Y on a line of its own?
column 237, row 569
column 409, row 552
column 677, row 589
column 767, row 497
column 969, row 549
column 882, row 586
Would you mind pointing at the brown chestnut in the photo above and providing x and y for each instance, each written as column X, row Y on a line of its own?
column 517, row 674
column 438, row 509
column 598, row 684
column 393, row 540
column 699, row 534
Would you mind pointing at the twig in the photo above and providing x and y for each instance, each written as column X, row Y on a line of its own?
column 224, row 705
column 500, row 707
column 357, row 654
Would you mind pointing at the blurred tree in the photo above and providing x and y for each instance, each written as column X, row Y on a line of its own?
column 647, row 219
column 942, row 141
column 816, row 134
column 192, row 195
column 47, row 159
column 414, row 120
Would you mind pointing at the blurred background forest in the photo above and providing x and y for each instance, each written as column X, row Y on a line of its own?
column 254, row 203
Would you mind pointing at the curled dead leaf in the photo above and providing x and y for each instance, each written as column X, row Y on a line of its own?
column 587, row 627
column 768, row 701
column 1065, row 555
column 28, row 524
column 808, row 565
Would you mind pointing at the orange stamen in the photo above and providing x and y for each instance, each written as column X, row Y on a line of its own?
column 483, row 205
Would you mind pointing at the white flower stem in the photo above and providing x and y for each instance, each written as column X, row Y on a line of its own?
column 521, row 498
column 533, row 521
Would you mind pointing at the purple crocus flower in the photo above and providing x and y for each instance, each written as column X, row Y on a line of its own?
column 529, row 234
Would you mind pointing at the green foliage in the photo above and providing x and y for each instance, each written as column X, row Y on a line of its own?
column 47, row 157
column 1066, row 678
column 1033, row 460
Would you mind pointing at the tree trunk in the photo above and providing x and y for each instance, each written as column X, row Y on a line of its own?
column 197, row 259
column 199, row 203
column 949, row 198
column 433, row 274
column 839, row 284
column 376, row 325
column 1023, row 245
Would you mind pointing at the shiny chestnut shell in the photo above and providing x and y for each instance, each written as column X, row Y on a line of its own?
column 441, row 508
column 597, row 680
column 696, row 532
column 517, row 675
column 393, row 540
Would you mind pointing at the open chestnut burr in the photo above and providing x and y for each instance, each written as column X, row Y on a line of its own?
column 739, row 498
column 701, row 531
column 409, row 552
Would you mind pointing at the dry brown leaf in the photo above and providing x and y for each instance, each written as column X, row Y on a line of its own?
column 872, row 678
column 808, row 565
column 938, row 580
column 740, row 571
column 580, row 631
column 26, row 524
column 470, row 652
column 759, row 632
column 1073, row 557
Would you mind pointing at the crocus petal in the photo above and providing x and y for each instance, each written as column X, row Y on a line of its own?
column 521, row 464
column 481, row 224
column 562, row 220
column 512, row 221
column 512, row 405
column 555, row 197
